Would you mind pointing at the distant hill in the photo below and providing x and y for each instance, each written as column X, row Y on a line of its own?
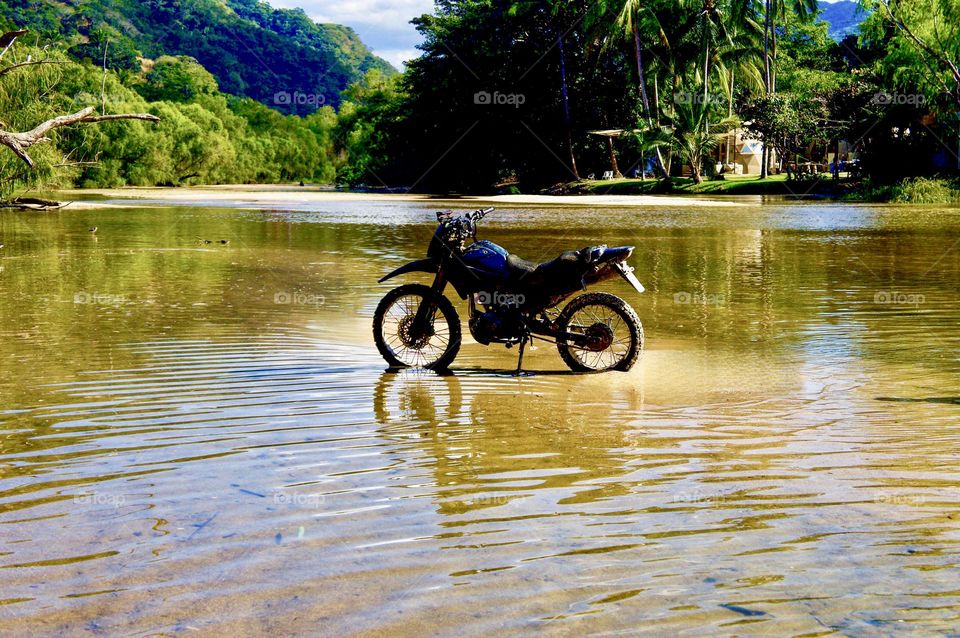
column 843, row 17
column 277, row 56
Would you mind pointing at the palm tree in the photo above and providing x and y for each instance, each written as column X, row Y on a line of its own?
column 805, row 10
column 741, row 59
column 565, row 94
column 710, row 24
column 704, row 47
column 638, row 21
column 774, row 9
column 650, row 139
column 690, row 136
column 697, row 41
column 728, row 37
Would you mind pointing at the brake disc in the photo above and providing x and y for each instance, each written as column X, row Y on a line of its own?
column 404, row 331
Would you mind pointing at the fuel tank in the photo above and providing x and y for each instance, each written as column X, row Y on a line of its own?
column 487, row 259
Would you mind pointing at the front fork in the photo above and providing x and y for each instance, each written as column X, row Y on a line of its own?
column 421, row 322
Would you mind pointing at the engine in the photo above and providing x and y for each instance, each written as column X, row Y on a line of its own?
column 496, row 326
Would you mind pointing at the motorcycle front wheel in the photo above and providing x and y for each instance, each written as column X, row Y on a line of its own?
column 613, row 328
column 396, row 340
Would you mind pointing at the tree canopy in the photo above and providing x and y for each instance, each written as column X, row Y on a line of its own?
column 505, row 94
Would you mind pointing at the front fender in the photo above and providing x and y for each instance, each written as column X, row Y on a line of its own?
column 421, row 265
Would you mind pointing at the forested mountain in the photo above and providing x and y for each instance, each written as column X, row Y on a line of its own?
column 260, row 107
column 277, row 56
column 843, row 17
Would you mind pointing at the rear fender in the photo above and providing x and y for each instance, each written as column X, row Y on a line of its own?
column 610, row 270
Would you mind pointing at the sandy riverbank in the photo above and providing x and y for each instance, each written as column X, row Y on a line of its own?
column 277, row 196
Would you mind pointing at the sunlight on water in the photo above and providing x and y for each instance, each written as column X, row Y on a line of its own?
column 196, row 432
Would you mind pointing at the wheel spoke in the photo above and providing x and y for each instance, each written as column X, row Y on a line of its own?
column 600, row 316
column 423, row 351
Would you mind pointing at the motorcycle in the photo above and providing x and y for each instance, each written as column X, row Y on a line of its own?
column 511, row 302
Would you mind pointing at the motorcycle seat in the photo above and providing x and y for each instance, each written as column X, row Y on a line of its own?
column 521, row 268
column 568, row 265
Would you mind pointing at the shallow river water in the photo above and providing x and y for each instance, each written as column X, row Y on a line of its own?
column 201, row 439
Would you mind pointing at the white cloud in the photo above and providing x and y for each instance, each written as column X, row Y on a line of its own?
column 383, row 25
column 397, row 57
column 384, row 13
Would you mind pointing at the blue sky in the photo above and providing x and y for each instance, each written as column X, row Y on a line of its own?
column 383, row 25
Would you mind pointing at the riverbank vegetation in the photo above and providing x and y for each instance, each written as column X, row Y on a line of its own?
column 509, row 96
column 232, row 119
column 203, row 136
column 530, row 96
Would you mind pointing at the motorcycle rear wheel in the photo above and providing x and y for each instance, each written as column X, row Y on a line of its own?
column 615, row 326
column 393, row 320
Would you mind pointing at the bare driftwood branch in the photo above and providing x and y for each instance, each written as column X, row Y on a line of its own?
column 32, row 203
column 14, row 67
column 20, row 142
column 72, row 164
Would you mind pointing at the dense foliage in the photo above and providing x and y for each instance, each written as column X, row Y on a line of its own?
column 506, row 94
column 272, row 55
column 204, row 136
column 172, row 58
column 510, row 92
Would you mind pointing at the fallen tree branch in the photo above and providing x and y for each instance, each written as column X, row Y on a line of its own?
column 120, row 116
column 73, row 164
column 14, row 67
column 32, row 203
column 20, row 142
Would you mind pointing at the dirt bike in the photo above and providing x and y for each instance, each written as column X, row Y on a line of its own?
column 511, row 301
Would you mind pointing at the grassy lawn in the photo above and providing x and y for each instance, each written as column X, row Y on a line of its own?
column 731, row 185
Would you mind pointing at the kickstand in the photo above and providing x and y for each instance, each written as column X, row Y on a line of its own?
column 523, row 344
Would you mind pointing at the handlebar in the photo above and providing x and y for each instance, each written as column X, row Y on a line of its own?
column 474, row 216
column 457, row 229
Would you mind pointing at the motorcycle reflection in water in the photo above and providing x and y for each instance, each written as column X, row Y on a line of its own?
column 471, row 434
column 416, row 395
column 511, row 301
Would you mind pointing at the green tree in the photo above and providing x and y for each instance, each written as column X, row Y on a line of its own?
column 774, row 12
column 638, row 23
column 922, row 41
column 787, row 125
column 362, row 129
column 692, row 138
column 35, row 127
column 177, row 79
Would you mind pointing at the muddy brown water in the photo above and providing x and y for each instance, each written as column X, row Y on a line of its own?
column 200, row 438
